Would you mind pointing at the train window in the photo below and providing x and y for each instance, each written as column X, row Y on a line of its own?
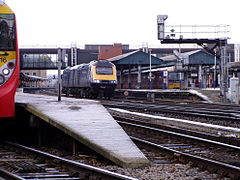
column 173, row 76
column 7, row 32
column 104, row 70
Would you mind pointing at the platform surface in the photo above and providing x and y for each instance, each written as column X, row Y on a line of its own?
column 89, row 123
column 169, row 93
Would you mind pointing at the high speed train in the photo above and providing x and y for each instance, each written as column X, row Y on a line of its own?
column 9, row 61
column 90, row 80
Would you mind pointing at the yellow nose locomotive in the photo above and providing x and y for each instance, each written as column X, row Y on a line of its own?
column 90, row 80
column 9, row 61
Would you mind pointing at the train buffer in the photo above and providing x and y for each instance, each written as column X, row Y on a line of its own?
column 88, row 122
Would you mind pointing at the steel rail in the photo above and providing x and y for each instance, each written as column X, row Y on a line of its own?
column 172, row 110
column 70, row 163
column 230, row 169
column 136, row 96
column 236, row 148
column 225, row 167
column 195, row 133
column 9, row 176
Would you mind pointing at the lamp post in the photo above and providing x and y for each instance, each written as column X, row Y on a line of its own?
column 61, row 57
column 215, row 70
column 150, row 69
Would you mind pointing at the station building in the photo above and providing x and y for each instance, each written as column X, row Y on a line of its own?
column 141, row 70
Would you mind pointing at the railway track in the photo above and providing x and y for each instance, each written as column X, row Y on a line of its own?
column 19, row 162
column 209, row 113
column 207, row 154
column 183, row 101
column 145, row 122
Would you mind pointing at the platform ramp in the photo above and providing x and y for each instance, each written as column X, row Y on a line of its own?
column 89, row 123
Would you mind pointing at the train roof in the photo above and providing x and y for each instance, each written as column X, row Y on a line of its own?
column 79, row 66
column 92, row 63
column 101, row 63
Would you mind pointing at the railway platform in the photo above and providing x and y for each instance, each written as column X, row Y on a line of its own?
column 88, row 122
column 205, row 95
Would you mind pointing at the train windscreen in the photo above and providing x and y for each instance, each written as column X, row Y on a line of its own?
column 174, row 76
column 104, row 70
column 7, row 32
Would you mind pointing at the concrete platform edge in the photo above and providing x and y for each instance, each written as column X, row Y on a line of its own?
column 126, row 163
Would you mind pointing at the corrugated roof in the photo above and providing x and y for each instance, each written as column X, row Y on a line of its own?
column 122, row 56
column 135, row 57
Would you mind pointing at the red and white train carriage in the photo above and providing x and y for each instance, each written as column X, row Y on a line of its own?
column 9, row 61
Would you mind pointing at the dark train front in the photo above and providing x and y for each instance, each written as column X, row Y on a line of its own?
column 9, row 61
column 97, row 78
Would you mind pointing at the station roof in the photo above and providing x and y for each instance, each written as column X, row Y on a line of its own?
column 196, row 57
column 137, row 57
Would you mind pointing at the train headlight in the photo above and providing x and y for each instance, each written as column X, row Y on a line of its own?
column 113, row 82
column 2, row 79
column 96, row 81
column 6, row 71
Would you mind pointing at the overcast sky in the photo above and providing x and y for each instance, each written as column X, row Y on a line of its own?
column 58, row 22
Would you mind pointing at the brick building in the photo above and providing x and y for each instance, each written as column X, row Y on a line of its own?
column 109, row 51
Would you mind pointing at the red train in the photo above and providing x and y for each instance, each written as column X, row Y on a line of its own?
column 9, row 61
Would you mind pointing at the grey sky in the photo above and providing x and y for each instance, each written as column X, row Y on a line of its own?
column 58, row 22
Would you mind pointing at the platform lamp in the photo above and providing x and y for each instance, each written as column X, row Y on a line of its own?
column 61, row 58
column 215, row 69
column 150, row 69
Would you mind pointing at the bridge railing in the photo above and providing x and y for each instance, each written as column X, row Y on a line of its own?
column 40, row 61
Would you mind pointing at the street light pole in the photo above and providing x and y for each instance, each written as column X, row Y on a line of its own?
column 59, row 64
column 215, row 70
column 150, row 69
column 61, row 57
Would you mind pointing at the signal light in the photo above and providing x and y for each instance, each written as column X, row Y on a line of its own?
column 11, row 65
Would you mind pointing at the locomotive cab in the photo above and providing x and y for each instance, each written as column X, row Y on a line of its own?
column 90, row 80
column 9, row 61
column 7, row 47
column 103, row 77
